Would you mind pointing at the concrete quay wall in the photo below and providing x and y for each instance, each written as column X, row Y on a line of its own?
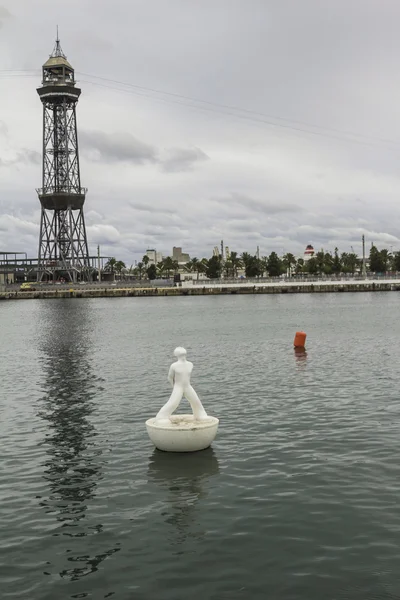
column 118, row 292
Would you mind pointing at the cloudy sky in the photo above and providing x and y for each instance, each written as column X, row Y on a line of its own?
column 270, row 123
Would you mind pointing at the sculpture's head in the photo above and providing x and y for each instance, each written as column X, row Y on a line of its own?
column 179, row 352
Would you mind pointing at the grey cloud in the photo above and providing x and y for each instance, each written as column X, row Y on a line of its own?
column 4, row 14
column 116, row 147
column 150, row 208
column 23, row 156
column 126, row 148
column 267, row 207
column 182, row 159
column 103, row 234
column 263, row 184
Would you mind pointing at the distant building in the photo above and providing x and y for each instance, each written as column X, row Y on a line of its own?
column 179, row 256
column 216, row 251
column 309, row 252
column 227, row 253
column 154, row 256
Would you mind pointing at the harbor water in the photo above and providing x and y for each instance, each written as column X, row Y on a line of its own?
column 298, row 498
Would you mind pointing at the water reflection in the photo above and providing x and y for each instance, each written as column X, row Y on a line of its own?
column 184, row 477
column 300, row 355
column 72, row 469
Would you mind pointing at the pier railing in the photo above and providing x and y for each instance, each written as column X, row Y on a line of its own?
column 295, row 279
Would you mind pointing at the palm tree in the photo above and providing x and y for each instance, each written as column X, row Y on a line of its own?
column 110, row 264
column 246, row 258
column 118, row 266
column 195, row 266
column 140, row 267
column 170, row 265
column 228, row 268
column 321, row 259
column 201, row 267
column 190, row 266
column 289, row 261
column 145, row 260
column 160, row 267
column 131, row 271
column 386, row 258
column 299, row 266
column 350, row 262
column 236, row 263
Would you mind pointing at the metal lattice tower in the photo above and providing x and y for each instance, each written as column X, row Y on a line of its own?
column 63, row 247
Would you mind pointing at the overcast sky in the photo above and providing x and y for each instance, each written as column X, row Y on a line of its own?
column 310, row 154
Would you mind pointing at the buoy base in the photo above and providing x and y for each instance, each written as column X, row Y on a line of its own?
column 182, row 433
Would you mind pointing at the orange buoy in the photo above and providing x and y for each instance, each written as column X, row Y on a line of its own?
column 300, row 339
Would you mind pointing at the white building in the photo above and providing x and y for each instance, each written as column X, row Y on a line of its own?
column 308, row 253
column 181, row 257
column 154, row 256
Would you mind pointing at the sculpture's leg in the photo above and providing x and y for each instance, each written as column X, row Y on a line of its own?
column 172, row 404
column 198, row 410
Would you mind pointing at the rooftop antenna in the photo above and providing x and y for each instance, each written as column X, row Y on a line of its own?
column 364, row 266
column 57, row 48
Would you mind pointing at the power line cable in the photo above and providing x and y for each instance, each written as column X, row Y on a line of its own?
column 215, row 107
column 243, row 117
column 236, row 108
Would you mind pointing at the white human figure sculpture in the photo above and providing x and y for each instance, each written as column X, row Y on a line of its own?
column 179, row 378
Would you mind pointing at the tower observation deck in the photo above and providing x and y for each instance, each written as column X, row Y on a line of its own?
column 63, row 247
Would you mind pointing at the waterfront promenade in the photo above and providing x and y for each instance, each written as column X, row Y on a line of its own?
column 204, row 287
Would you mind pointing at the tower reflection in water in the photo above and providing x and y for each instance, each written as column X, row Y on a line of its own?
column 185, row 478
column 73, row 464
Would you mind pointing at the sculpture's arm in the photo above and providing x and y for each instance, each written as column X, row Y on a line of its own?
column 171, row 376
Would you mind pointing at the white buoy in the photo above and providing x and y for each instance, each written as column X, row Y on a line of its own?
column 182, row 433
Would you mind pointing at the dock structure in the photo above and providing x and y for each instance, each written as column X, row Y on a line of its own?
column 145, row 289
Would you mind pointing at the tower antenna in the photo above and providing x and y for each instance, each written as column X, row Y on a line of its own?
column 57, row 50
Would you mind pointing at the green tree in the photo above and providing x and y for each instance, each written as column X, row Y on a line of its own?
column 151, row 272
column 312, row 266
column 376, row 264
column 396, row 261
column 214, row 267
column 252, row 265
column 328, row 263
column 274, row 265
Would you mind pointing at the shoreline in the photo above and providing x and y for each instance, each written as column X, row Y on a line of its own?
column 209, row 290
